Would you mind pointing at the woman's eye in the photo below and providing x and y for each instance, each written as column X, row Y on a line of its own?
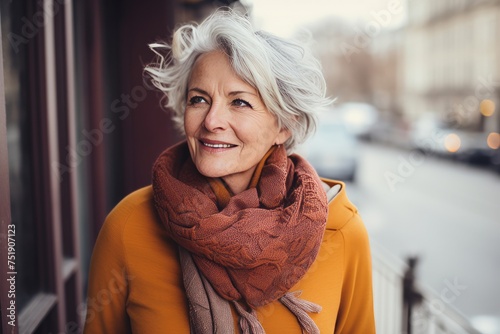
column 196, row 100
column 241, row 103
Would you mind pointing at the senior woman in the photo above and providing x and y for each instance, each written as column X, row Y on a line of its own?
column 235, row 234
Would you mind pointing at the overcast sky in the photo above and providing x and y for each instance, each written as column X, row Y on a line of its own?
column 282, row 17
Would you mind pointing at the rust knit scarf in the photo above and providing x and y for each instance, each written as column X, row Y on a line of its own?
column 254, row 246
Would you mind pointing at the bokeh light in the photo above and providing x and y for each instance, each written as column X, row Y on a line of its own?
column 487, row 107
column 493, row 140
column 452, row 142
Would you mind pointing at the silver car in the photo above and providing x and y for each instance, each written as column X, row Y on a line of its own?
column 333, row 150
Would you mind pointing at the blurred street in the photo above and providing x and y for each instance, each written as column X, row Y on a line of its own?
column 445, row 212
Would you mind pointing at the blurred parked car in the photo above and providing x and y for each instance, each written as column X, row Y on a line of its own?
column 333, row 150
column 495, row 161
column 474, row 148
column 431, row 136
column 393, row 132
column 428, row 135
column 359, row 117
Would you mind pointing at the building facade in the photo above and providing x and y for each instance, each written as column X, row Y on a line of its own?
column 450, row 65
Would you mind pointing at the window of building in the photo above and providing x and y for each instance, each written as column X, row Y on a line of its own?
column 37, row 121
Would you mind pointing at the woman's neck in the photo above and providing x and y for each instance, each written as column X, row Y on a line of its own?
column 237, row 183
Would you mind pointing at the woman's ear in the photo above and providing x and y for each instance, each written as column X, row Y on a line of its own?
column 282, row 136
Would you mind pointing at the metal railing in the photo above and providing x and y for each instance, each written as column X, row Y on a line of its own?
column 402, row 306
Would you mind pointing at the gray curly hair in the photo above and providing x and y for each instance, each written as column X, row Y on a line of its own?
column 287, row 76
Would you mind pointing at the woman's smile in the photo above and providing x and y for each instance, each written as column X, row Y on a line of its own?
column 215, row 145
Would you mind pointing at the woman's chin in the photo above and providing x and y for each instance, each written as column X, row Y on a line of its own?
column 212, row 171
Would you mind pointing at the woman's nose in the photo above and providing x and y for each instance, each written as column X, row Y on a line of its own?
column 216, row 118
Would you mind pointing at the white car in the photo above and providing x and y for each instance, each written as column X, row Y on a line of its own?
column 359, row 118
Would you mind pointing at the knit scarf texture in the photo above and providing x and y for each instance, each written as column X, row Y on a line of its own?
column 251, row 247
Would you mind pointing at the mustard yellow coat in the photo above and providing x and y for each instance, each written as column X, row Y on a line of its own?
column 135, row 283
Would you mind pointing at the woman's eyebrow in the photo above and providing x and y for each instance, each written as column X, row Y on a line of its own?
column 199, row 90
column 236, row 92
column 241, row 92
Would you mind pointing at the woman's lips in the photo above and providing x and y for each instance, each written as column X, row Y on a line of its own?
column 215, row 144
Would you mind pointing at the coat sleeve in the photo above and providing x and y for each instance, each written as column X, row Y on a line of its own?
column 108, row 279
column 356, row 313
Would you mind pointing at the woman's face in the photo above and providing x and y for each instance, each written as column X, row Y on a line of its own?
column 228, row 127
